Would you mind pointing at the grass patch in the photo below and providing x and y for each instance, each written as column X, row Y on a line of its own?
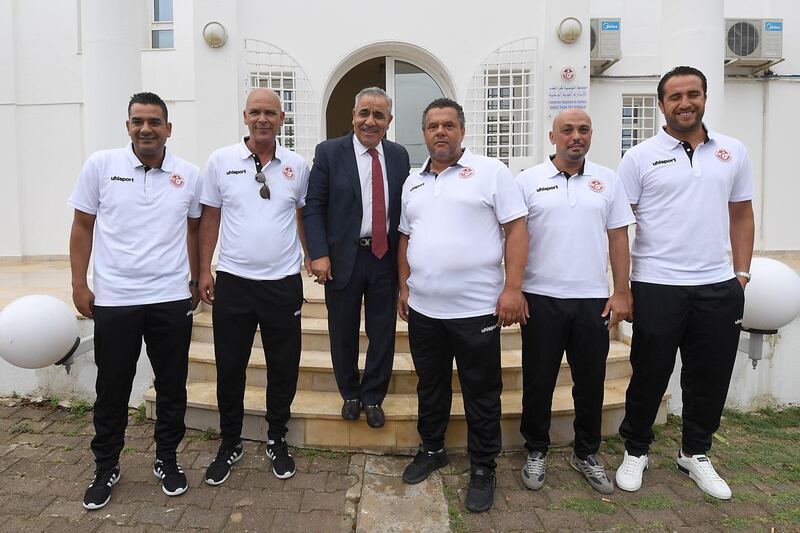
column 73, row 433
column 127, row 449
column 767, row 422
column 733, row 522
column 140, row 414
column 208, row 434
column 787, row 516
column 586, row 506
column 790, row 496
column 750, row 497
column 455, row 520
column 79, row 408
column 53, row 402
column 655, row 502
column 311, row 453
column 20, row 427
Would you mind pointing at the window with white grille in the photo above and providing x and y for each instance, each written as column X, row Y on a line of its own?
column 639, row 119
column 269, row 66
column 500, row 106
column 162, row 34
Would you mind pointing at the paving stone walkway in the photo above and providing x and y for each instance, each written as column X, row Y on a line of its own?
column 45, row 465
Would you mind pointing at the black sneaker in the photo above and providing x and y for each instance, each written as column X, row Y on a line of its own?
column 99, row 492
column 220, row 468
column 173, row 480
column 282, row 461
column 480, row 495
column 423, row 465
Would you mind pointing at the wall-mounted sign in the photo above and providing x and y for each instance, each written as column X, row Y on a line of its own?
column 561, row 97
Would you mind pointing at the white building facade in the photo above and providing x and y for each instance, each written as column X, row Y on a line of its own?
column 70, row 67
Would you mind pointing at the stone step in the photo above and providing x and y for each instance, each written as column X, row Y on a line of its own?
column 315, row 334
column 316, row 371
column 316, row 421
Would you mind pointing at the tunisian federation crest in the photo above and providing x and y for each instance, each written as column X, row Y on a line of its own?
column 177, row 180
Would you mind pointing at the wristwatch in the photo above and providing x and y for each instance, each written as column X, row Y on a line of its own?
column 745, row 275
column 195, row 283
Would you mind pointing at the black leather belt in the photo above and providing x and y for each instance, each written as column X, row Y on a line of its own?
column 366, row 242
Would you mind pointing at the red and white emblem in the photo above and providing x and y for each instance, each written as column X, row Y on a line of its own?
column 567, row 73
column 177, row 180
column 723, row 154
column 596, row 185
column 466, row 172
column 288, row 172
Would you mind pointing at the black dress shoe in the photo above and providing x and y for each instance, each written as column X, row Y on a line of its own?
column 351, row 409
column 375, row 417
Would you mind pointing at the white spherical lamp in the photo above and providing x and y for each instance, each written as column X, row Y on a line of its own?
column 771, row 300
column 37, row 331
column 772, row 297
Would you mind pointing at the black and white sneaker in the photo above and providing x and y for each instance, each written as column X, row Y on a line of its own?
column 99, row 492
column 173, row 480
column 220, row 468
column 282, row 461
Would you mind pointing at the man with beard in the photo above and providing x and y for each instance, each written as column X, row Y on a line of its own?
column 138, row 209
column 571, row 200
column 691, row 191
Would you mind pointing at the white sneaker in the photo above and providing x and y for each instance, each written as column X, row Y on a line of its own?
column 699, row 468
column 629, row 473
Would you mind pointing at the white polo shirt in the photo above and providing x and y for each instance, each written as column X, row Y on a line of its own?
column 682, row 225
column 139, row 242
column 455, row 245
column 258, row 237
column 568, row 223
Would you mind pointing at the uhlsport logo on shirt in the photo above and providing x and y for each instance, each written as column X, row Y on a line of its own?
column 596, row 185
column 723, row 155
column 487, row 329
column 120, row 178
column 288, row 173
column 177, row 180
column 664, row 161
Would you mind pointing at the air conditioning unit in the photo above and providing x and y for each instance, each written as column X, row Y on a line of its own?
column 753, row 41
column 604, row 39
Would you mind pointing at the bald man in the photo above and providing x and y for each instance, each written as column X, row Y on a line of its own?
column 253, row 192
column 578, row 217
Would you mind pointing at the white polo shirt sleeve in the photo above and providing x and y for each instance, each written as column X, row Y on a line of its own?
column 631, row 177
column 508, row 201
column 619, row 210
column 85, row 196
column 304, row 172
column 743, row 188
column 211, row 195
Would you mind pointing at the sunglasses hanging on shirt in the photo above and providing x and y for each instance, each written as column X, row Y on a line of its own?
column 261, row 178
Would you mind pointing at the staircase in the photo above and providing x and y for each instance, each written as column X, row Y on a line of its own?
column 316, row 420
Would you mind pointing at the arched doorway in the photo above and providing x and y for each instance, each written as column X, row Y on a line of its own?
column 411, row 82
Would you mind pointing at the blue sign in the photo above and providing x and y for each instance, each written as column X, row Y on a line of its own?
column 773, row 26
column 610, row 25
